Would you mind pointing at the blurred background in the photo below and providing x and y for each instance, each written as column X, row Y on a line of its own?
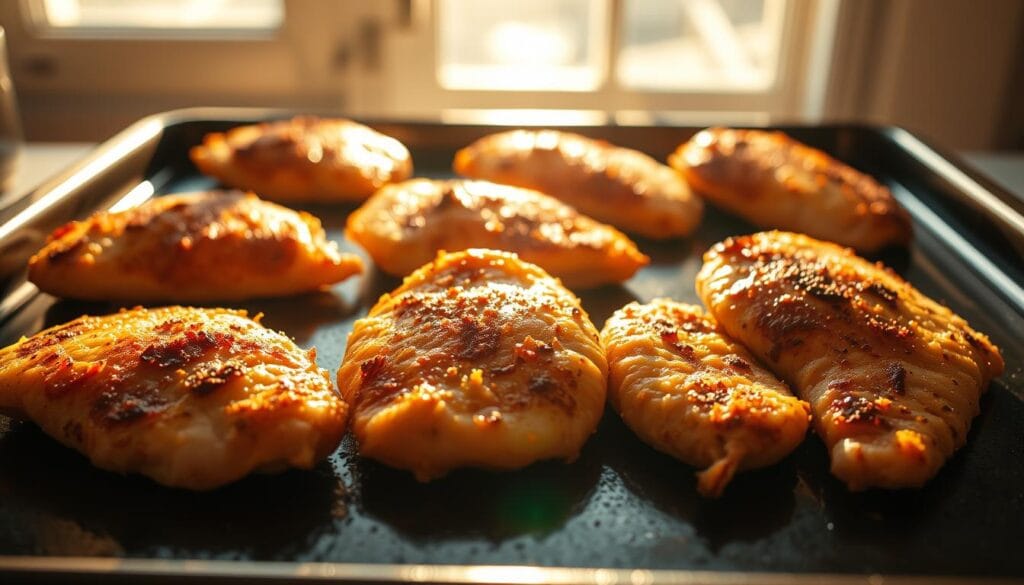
column 952, row 70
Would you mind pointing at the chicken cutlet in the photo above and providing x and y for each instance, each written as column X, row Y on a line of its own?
column 403, row 226
column 477, row 360
column 195, row 247
column 620, row 186
column 893, row 377
column 774, row 181
column 689, row 391
column 305, row 159
column 192, row 398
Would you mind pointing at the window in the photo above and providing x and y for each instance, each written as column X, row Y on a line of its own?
column 85, row 68
column 664, row 45
column 522, row 45
column 116, row 17
column 727, row 61
column 672, row 45
column 746, row 59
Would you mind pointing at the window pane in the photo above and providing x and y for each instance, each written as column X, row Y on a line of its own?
column 700, row 44
column 163, row 14
column 521, row 45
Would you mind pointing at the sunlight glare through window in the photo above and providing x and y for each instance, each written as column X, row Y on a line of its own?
column 69, row 15
column 522, row 45
column 700, row 44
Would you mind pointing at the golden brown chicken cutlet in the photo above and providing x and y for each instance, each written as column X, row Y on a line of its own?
column 893, row 378
column 774, row 181
column 619, row 186
column 477, row 360
column 195, row 247
column 404, row 225
column 305, row 159
column 192, row 398
column 688, row 390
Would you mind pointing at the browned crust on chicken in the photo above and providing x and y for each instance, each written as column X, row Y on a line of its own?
column 689, row 391
column 893, row 377
column 193, row 398
column 776, row 182
column 477, row 360
column 305, row 159
column 197, row 247
column 403, row 226
column 619, row 186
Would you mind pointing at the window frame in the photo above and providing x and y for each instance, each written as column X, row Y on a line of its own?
column 279, row 63
column 416, row 90
column 368, row 59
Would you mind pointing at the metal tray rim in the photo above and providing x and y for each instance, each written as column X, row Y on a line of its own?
column 209, row 570
column 990, row 197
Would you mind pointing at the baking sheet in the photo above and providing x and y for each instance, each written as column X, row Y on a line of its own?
column 621, row 505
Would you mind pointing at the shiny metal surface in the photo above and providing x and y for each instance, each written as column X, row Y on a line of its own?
column 622, row 513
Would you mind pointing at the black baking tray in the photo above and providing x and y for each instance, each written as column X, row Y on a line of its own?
column 622, row 513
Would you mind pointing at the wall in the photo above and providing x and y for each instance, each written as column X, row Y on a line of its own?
column 949, row 69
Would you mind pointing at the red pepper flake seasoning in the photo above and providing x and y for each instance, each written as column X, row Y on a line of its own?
column 64, row 377
column 62, row 230
column 670, row 337
column 708, row 392
column 530, row 349
column 856, row 409
column 173, row 324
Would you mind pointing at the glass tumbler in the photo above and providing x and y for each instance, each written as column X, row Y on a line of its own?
column 10, row 123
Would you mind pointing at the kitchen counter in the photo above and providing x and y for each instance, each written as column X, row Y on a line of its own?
column 40, row 161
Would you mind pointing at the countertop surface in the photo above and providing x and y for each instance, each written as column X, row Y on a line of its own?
column 38, row 162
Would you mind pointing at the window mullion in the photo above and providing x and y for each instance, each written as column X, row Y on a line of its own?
column 610, row 84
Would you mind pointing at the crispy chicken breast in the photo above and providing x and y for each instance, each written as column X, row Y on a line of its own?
column 403, row 226
column 689, row 391
column 192, row 398
column 477, row 360
column 893, row 378
column 774, row 181
column 304, row 159
column 620, row 186
column 196, row 247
